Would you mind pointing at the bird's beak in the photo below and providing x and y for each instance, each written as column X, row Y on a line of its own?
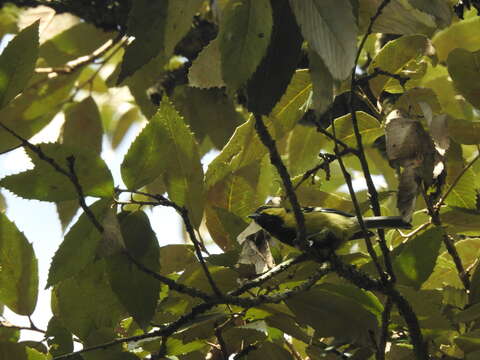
column 254, row 216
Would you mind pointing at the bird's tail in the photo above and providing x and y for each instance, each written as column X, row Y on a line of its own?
column 380, row 222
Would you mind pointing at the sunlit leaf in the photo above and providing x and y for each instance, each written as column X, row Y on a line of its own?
column 417, row 258
column 78, row 40
column 463, row 191
column 462, row 32
column 47, row 184
column 464, row 68
column 18, row 269
column 368, row 126
column 83, row 118
column 28, row 113
column 17, row 63
column 393, row 57
column 166, row 147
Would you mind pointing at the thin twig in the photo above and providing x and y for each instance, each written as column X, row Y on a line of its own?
column 74, row 64
column 221, row 342
column 293, row 351
column 358, row 212
column 363, row 161
column 8, row 325
column 276, row 161
column 452, row 250
column 382, row 343
column 377, row 71
column 327, row 160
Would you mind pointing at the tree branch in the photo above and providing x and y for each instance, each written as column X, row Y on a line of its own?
column 276, row 161
column 361, row 155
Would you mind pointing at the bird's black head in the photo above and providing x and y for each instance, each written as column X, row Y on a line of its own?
column 272, row 219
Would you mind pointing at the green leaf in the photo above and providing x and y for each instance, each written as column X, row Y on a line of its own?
column 474, row 296
column 368, row 126
column 234, row 197
column 83, row 118
column 86, row 302
column 143, row 79
column 78, row 40
column 341, row 311
column 469, row 314
column 10, row 350
column 146, row 21
column 18, row 269
column 236, row 337
column 273, row 75
column 469, row 342
column 406, row 17
column 323, row 84
column 9, row 334
column 290, row 108
column 461, row 220
column 427, row 305
column 463, row 32
column 47, row 184
column 303, row 147
column 209, row 112
column 126, row 279
column 464, row 68
column 66, row 211
column 331, row 31
column 206, row 69
column 123, row 125
column 9, row 15
column 28, row 113
column 157, row 28
column 79, row 248
column 270, row 350
column 245, row 30
column 17, row 63
column 225, row 279
column 464, row 192
column 175, row 257
column 59, row 339
column 393, row 57
column 445, row 271
column 464, row 131
column 167, row 147
column 416, row 261
column 176, row 347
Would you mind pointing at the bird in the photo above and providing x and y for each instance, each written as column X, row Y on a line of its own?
column 325, row 228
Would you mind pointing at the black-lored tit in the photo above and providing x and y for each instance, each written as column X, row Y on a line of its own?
column 325, row 228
